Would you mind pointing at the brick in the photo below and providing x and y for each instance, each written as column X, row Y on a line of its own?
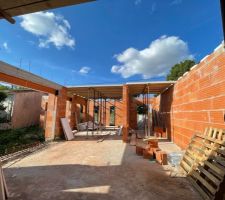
column 147, row 154
column 153, row 143
column 161, row 157
column 139, row 151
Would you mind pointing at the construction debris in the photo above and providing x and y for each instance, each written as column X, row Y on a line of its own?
column 149, row 149
column 66, row 129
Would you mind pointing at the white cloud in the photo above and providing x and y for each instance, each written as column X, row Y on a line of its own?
column 49, row 28
column 5, row 46
column 153, row 8
column 176, row 2
column 84, row 70
column 153, row 61
column 136, row 2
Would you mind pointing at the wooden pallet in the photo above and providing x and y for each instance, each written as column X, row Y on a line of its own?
column 204, row 162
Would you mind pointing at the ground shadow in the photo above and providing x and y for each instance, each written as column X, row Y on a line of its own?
column 93, row 178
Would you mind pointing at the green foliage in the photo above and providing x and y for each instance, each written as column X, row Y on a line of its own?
column 3, row 87
column 3, row 97
column 142, row 109
column 11, row 140
column 179, row 69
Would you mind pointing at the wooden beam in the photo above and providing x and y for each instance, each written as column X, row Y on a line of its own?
column 6, row 16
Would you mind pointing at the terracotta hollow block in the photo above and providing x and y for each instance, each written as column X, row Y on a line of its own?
column 158, row 157
column 139, row 151
column 164, row 158
column 147, row 154
column 161, row 157
column 153, row 143
column 155, row 149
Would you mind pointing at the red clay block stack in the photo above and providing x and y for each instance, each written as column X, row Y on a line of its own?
column 161, row 157
column 152, row 150
column 159, row 132
column 139, row 151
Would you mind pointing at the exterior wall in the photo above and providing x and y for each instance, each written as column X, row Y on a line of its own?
column 26, row 109
column 196, row 101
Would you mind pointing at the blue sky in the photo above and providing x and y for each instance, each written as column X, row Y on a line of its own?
column 112, row 41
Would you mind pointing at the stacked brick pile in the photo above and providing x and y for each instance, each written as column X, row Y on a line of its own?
column 152, row 151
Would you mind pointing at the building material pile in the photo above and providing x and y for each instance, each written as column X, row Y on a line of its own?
column 204, row 163
column 4, row 194
column 149, row 149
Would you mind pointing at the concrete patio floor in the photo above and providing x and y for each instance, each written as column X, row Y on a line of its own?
column 89, row 169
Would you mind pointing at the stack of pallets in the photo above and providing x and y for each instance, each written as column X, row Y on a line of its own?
column 4, row 194
column 204, row 163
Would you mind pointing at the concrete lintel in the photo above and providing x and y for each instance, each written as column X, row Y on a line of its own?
column 22, row 74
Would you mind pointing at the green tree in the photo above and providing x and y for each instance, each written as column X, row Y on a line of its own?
column 3, row 96
column 2, row 87
column 179, row 69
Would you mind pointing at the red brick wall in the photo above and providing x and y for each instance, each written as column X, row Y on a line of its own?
column 196, row 101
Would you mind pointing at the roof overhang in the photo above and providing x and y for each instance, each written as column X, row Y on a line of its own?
column 156, row 87
column 96, row 91
column 116, row 91
column 11, row 8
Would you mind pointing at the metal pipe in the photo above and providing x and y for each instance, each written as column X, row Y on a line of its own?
column 93, row 121
column 88, row 117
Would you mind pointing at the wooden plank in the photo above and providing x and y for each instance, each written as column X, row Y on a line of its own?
column 185, row 166
column 203, row 194
column 209, row 146
column 5, row 185
column 221, row 167
column 214, row 133
column 206, row 131
column 220, row 160
column 190, row 152
column 215, row 168
column 215, row 174
column 210, row 176
column 189, row 159
column 220, row 142
column 220, row 134
column 34, row 6
column 7, row 16
column 197, row 141
column 210, row 131
column 209, row 187
column 197, row 149
column 2, row 191
column 221, row 151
